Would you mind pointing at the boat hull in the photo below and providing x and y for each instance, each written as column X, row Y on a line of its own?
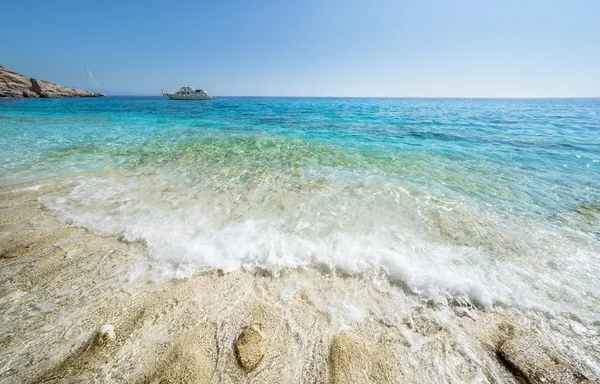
column 188, row 97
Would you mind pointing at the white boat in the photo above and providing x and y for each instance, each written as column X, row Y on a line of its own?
column 92, row 84
column 187, row 93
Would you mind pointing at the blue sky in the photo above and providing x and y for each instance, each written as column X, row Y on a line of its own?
column 431, row 48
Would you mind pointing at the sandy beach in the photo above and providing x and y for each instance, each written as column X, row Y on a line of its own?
column 82, row 307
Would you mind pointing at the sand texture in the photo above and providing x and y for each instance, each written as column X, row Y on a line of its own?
column 78, row 306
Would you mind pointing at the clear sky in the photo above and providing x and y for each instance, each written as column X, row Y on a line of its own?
column 431, row 48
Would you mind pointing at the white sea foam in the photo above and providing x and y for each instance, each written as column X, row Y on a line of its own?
column 32, row 188
column 183, row 238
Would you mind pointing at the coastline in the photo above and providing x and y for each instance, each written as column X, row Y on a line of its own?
column 15, row 85
column 80, row 306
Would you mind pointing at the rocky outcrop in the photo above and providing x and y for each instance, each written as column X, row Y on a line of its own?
column 13, row 84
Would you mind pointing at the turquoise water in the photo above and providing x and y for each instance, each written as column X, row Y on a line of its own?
column 480, row 201
column 537, row 156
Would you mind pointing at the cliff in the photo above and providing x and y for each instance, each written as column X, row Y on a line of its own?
column 13, row 84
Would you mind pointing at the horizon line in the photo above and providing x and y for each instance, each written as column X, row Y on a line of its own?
column 124, row 94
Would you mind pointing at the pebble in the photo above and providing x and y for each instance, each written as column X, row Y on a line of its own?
column 251, row 347
column 106, row 334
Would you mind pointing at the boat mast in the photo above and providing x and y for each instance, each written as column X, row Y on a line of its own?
column 91, row 81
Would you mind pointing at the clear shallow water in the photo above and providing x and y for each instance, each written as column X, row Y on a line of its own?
column 490, row 202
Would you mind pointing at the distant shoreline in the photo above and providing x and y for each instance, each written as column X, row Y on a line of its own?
column 112, row 95
column 14, row 85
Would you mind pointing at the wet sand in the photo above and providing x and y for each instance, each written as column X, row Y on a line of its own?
column 78, row 306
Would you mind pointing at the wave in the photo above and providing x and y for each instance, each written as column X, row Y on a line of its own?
column 442, row 250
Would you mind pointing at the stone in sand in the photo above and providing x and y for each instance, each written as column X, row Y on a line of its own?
column 346, row 360
column 538, row 362
column 251, row 347
column 106, row 334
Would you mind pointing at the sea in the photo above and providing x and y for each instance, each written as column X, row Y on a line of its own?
column 482, row 202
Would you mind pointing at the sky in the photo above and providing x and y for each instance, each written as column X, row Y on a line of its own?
column 374, row 48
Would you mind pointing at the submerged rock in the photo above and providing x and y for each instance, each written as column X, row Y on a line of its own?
column 537, row 362
column 251, row 347
column 422, row 323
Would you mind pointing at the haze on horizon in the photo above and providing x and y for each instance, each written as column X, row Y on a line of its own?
column 387, row 48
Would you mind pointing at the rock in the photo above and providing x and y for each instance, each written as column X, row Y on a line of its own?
column 106, row 335
column 62, row 251
column 537, row 362
column 35, row 86
column 30, row 94
column 355, row 360
column 18, row 251
column 13, row 84
column 423, row 322
column 346, row 360
column 191, row 359
column 251, row 347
